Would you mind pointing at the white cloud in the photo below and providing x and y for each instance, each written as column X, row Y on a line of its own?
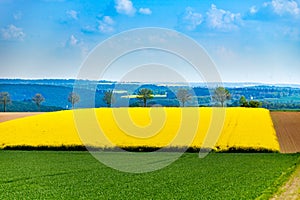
column 145, row 11
column 17, row 15
column 108, row 20
column 88, row 29
column 12, row 32
column 72, row 14
column 191, row 19
column 125, row 7
column 73, row 41
column 106, row 24
column 282, row 7
column 74, row 46
column 253, row 10
column 291, row 32
column 225, row 53
column 222, row 19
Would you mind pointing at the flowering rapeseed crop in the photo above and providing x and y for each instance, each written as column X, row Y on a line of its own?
column 155, row 127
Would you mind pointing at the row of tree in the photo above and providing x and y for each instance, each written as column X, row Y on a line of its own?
column 249, row 104
column 38, row 99
column 220, row 95
column 144, row 94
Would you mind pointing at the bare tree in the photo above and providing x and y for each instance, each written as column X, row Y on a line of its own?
column 145, row 94
column 73, row 98
column 221, row 95
column 184, row 96
column 109, row 98
column 38, row 99
column 4, row 99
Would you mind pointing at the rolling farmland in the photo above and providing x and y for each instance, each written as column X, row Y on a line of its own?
column 13, row 115
column 240, row 128
column 77, row 175
column 287, row 125
column 69, row 175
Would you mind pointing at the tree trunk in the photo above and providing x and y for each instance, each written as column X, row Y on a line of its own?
column 145, row 102
column 4, row 106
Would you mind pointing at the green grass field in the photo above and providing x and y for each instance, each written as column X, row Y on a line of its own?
column 77, row 175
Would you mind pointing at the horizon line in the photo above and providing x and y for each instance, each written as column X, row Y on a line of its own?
column 154, row 82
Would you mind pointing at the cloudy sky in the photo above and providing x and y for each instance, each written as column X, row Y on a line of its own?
column 249, row 41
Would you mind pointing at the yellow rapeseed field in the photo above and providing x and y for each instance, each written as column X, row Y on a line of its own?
column 218, row 128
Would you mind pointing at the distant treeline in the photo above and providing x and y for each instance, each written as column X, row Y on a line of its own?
column 56, row 94
column 29, row 106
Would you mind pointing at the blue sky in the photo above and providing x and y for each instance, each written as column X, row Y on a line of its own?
column 249, row 41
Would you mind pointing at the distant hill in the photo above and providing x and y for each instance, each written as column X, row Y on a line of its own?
column 56, row 93
column 28, row 106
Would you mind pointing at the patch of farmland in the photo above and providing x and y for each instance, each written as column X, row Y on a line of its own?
column 77, row 175
column 240, row 128
column 287, row 125
column 6, row 116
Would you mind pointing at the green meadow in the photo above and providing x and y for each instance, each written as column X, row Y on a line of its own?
column 78, row 175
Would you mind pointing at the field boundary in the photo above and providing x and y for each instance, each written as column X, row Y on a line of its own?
column 276, row 188
column 291, row 188
column 136, row 149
